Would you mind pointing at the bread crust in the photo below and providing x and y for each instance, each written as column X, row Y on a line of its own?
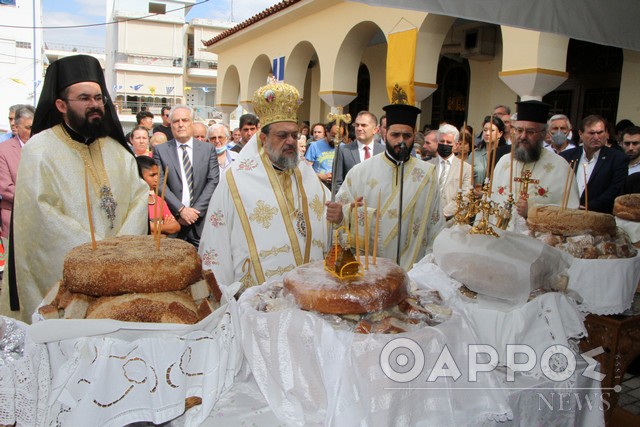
column 131, row 264
column 627, row 207
column 160, row 307
column 570, row 222
column 384, row 285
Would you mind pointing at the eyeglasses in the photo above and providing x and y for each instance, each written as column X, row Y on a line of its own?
column 285, row 135
column 86, row 99
column 217, row 138
column 527, row 132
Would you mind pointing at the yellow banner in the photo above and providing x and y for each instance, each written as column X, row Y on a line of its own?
column 401, row 60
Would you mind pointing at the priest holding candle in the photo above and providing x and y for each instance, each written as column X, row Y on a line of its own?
column 75, row 134
column 533, row 175
column 401, row 194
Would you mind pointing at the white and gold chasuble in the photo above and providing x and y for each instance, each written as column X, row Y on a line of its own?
column 50, row 210
column 262, row 223
column 551, row 172
column 421, row 220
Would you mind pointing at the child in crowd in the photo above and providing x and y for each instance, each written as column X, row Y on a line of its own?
column 148, row 170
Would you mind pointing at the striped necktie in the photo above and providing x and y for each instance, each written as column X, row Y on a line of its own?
column 188, row 170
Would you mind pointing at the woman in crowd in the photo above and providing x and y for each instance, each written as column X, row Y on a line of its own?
column 148, row 170
column 492, row 140
column 302, row 146
column 139, row 139
column 464, row 148
column 219, row 135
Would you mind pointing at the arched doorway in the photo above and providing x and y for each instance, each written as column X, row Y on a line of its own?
column 451, row 100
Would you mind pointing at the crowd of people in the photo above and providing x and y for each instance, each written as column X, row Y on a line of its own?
column 259, row 200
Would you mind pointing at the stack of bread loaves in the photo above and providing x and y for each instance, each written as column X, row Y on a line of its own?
column 582, row 234
column 127, row 278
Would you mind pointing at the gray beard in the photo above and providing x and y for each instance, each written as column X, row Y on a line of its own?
column 281, row 162
column 521, row 154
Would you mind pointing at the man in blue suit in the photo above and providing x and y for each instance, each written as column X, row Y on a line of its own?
column 604, row 169
column 193, row 174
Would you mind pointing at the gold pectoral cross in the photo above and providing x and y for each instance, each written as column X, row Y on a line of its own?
column 525, row 179
column 339, row 117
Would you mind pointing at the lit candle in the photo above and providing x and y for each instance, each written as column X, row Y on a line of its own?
column 375, row 231
column 464, row 125
column 86, row 193
column 511, row 170
column 586, row 189
column 366, row 236
column 355, row 209
column 473, row 160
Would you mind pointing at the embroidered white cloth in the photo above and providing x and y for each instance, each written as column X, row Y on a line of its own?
column 115, row 373
column 507, row 268
column 24, row 377
column 605, row 285
column 312, row 374
column 632, row 228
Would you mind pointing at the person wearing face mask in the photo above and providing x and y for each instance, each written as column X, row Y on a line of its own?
column 558, row 134
column 219, row 135
column 408, row 191
column 448, row 170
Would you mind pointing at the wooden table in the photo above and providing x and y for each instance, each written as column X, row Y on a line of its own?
column 619, row 336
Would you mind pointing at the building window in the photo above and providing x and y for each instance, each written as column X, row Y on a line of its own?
column 157, row 8
column 23, row 45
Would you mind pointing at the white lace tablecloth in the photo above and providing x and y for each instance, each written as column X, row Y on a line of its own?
column 115, row 373
column 312, row 374
column 605, row 285
column 24, row 376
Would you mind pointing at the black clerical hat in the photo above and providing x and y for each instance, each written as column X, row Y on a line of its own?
column 403, row 114
column 63, row 73
column 533, row 111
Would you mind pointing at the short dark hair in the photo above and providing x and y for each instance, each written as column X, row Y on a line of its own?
column 592, row 120
column 137, row 128
column 145, row 163
column 143, row 115
column 164, row 108
column 249, row 119
column 631, row 130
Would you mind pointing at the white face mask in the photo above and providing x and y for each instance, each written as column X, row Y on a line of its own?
column 220, row 150
column 559, row 138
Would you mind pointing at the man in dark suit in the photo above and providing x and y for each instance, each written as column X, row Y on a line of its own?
column 605, row 169
column 362, row 149
column 193, row 174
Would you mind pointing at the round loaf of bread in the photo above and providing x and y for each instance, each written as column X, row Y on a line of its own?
column 627, row 207
column 383, row 285
column 131, row 264
column 570, row 222
column 163, row 307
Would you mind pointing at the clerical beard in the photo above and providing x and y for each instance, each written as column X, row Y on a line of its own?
column 528, row 155
column 90, row 129
column 280, row 159
column 395, row 151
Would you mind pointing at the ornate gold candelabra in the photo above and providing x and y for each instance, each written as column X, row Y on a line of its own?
column 468, row 208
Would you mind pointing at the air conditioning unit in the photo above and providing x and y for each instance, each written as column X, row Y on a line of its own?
column 479, row 43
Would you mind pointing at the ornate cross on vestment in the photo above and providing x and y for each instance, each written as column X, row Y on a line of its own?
column 525, row 179
column 339, row 117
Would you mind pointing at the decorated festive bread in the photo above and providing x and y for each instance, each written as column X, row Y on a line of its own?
column 627, row 207
column 131, row 264
column 570, row 222
column 382, row 286
column 160, row 307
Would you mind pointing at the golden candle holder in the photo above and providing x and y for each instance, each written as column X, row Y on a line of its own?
column 465, row 209
column 504, row 213
column 486, row 208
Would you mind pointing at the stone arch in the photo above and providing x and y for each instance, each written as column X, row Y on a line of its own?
column 342, row 78
column 258, row 75
column 431, row 37
column 229, row 89
column 299, row 73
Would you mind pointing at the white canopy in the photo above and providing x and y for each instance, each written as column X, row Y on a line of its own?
column 607, row 22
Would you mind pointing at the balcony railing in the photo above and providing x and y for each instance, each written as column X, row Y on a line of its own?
column 198, row 63
column 200, row 112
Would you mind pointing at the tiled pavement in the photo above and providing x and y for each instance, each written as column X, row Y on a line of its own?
column 629, row 398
